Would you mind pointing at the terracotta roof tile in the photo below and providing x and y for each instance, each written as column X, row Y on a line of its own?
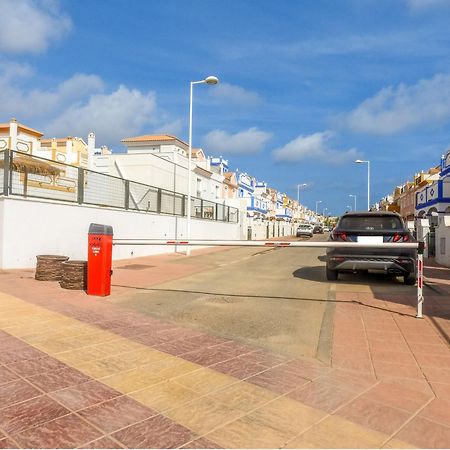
column 152, row 138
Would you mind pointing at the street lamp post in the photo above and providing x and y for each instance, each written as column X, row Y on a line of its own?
column 298, row 191
column 349, row 207
column 207, row 80
column 354, row 197
column 317, row 204
column 323, row 211
column 360, row 161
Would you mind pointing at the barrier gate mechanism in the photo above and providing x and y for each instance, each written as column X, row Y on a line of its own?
column 419, row 246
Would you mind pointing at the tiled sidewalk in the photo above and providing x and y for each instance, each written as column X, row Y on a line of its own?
column 78, row 372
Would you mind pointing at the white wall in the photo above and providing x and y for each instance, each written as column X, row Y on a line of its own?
column 275, row 229
column 443, row 237
column 35, row 227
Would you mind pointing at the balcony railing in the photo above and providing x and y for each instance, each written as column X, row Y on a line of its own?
column 25, row 175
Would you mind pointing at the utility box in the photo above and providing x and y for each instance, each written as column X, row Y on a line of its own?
column 99, row 259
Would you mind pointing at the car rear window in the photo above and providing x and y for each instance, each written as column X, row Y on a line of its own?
column 369, row 223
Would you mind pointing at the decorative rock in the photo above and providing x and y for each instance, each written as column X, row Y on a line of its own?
column 74, row 275
column 49, row 267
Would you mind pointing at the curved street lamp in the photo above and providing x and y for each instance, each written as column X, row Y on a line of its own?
column 354, row 197
column 317, row 204
column 298, row 191
column 361, row 161
column 211, row 80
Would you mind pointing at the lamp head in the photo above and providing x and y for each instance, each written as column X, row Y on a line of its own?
column 359, row 161
column 211, row 80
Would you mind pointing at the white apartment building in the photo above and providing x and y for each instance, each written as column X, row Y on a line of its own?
column 162, row 161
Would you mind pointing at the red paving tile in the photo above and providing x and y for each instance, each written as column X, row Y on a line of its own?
column 23, row 353
column 6, row 375
column 438, row 374
column 424, row 433
column 265, row 358
column 323, row 395
column 36, row 366
column 15, row 392
column 238, row 368
column 434, row 360
column 374, row 415
column 390, row 369
column 396, row 396
column 8, row 443
column 278, row 380
column 156, row 432
column 437, row 411
column 30, row 413
column 116, row 414
column 54, row 381
column 442, row 390
column 85, row 395
column 208, row 356
column 104, row 442
column 66, row 432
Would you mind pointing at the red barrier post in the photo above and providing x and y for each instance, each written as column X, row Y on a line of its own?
column 100, row 240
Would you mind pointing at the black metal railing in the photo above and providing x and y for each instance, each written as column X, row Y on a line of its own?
column 27, row 175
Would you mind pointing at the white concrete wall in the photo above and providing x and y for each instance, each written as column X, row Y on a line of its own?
column 443, row 243
column 34, row 227
column 276, row 229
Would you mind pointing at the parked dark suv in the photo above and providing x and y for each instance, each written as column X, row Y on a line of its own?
column 372, row 227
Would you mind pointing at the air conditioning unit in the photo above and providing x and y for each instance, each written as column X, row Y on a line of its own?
column 446, row 220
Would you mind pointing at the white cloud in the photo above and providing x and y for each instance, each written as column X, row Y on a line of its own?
column 231, row 93
column 112, row 116
column 79, row 105
column 29, row 26
column 394, row 109
column 38, row 103
column 246, row 141
column 313, row 146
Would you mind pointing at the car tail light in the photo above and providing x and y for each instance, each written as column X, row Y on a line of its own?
column 401, row 237
column 336, row 235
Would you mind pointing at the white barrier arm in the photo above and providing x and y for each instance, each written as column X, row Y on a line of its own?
column 231, row 243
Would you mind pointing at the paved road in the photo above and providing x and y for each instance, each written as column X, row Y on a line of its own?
column 275, row 298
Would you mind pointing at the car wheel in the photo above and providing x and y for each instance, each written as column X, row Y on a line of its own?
column 410, row 279
column 332, row 275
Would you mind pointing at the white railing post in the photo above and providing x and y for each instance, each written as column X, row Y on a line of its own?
column 420, row 298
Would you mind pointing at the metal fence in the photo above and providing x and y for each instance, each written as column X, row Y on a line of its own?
column 30, row 176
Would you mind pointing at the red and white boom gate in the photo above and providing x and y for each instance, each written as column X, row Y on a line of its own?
column 419, row 246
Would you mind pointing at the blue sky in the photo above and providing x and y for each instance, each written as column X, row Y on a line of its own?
column 306, row 86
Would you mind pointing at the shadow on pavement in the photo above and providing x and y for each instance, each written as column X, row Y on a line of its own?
column 227, row 294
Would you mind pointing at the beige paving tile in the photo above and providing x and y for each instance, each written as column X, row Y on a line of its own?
column 165, row 396
column 117, row 345
column 243, row 396
column 245, row 433
column 286, row 415
column 142, row 356
column 335, row 432
column 205, row 380
column 203, row 415
column 397, row 443
column 73, row 357
column 172, row 367
column 132, row 380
